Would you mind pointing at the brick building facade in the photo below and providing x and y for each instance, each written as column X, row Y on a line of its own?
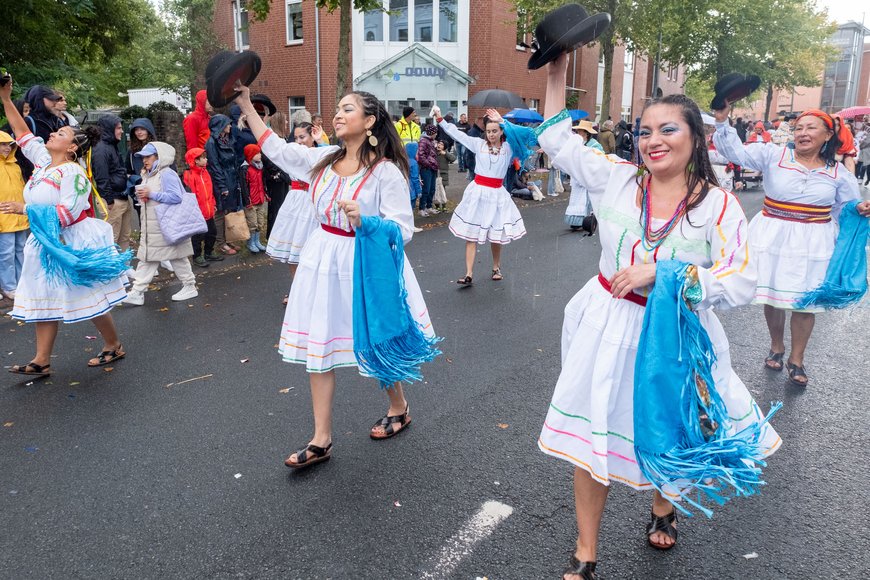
column 411, row 57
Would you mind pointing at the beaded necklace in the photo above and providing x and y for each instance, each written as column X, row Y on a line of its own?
column 652, row 239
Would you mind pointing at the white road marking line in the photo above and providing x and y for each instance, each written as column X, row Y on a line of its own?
column 462, row 543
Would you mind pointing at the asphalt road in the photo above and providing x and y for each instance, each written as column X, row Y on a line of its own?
column 133, row 473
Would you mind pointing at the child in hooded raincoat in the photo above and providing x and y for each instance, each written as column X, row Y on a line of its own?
column 257, row 210
column 13, row 227
column 198, row 181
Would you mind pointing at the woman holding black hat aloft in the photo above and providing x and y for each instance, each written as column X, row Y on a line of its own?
column 793, row 237
column 366, row 176
column 672, row 210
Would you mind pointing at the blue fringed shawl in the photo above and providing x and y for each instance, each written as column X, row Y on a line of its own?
column 521, row 139
column 673, row 389
column 65, row 265
column 846, row 277
column 387, row 341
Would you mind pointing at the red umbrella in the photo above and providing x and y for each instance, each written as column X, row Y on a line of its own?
column 853, row 112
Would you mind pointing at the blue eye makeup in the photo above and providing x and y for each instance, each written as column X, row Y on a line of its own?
column 644, row 133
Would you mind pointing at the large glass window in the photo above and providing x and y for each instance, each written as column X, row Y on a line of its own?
column 522, row 28
column 423, row 20
column 240, row 21
column 398, row 20
column 373, row 26
column 294, row 21
column 447, row 20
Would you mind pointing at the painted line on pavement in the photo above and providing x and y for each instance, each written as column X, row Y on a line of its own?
column 462, row 543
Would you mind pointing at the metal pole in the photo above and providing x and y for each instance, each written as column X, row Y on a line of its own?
column 657, row 65
column 317, row 53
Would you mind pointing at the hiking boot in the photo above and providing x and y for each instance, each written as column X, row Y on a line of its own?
column 200, row 261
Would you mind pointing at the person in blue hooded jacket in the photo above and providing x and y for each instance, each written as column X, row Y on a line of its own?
column 110, row 179
column 224, row 171
column 141, row 132
column 242, row 135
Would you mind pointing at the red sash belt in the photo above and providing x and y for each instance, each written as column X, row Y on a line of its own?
column 796, row 212
column 631, row 296
column 488, row 181
column 337, row 231
column 299, row 185
column 82, row 217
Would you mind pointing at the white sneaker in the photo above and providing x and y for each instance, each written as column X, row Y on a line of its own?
column 135, row 298
column 186, row 293
column 423, row 213
column 166, row 265
column 434, row 210
column 417, row 230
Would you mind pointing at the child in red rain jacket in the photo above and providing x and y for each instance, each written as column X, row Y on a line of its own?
column 258, row 210
column 197, row 179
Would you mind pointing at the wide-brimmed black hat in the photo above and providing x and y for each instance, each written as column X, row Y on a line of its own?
column 733, row 87
column 263, row 104
column 224, row 69
column 563, row 30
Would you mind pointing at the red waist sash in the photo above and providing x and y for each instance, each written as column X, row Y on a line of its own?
column 631, row 296
column 299, row 185
column 337, row 231
column 488, row 181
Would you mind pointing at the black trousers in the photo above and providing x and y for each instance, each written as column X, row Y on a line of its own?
column 205, row 240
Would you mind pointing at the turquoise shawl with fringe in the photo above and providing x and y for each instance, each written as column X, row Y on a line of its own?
column 681, row 424
column 845, row 281
column 387, row 342
column 65, row 265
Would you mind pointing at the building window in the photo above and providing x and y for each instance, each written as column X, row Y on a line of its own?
column 628, row 59
column 294, row 21
column 522, row 29
column 534, row 104
column 296, row 104
column 240, row 23
column 373, row 24
column 423, row 20
column 398, row 20
column 447, row 21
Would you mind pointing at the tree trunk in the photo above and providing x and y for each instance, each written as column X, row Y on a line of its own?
column 768, row 101
column 343, row 49
column 608, row 44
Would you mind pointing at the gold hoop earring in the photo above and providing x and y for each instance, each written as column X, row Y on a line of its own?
column 373, row 141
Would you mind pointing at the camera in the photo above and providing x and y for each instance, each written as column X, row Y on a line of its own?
column 5, row 77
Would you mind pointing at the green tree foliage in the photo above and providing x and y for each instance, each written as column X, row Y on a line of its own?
column 192, row 40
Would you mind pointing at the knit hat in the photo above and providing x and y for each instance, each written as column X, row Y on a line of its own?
column 407, row 111
column 431, row 130
column 250, row 151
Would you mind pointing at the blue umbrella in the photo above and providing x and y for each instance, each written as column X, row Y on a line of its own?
column 524, row 116
column 577, row 114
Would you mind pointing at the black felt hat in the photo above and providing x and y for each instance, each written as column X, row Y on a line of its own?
column 733, row 87
column 563, row 30
column 224, row 69
column 263, row 104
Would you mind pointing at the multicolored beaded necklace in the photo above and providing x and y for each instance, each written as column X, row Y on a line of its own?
column 652, row 239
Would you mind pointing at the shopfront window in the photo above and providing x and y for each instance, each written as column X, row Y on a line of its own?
column 240, row 21
column 398, row 20
column 294, row 21
column 423, row 20
column 373, row 26
column 448, row 13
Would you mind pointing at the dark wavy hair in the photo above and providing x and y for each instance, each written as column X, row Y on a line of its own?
column 829, row 150
column 304, row 125
column 389, row 144
column 487, row 121
column 699, row 171
column 85, row 138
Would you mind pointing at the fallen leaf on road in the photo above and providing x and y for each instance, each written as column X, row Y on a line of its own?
column 190, row 305
column 91, row 337
column 74, row 383
column 285, row 391
column 207, row 306
column 274, row 346
column 503, row 425
column 539, row 349
column 8, row 424
column 397, row 504
column 238, row 475
column 89, row 349
column 28, row 384
column 244, row 360
column 448, row 359
column 750, row 556
column 496, row 483
column 164, row 309
column 108, row 369
column 537, row 295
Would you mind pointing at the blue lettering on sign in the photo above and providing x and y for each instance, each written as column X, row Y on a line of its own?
column 425, row 72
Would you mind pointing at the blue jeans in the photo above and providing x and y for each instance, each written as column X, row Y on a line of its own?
column 11, row 258
column 460, row 155
column 428, row 176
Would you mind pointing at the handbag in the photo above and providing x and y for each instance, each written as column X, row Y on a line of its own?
column 236, row 225
column 180, row 221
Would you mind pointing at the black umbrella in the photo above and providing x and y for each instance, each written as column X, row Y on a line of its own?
column 497, row 99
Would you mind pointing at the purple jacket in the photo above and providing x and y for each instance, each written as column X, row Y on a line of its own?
column 427, row 155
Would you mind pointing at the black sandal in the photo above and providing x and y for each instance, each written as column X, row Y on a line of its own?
column 662, row 524
column 586, row 570
column 31, row 369
column 776, row 358
column 496, row 275
column 387, row 423
column 108, row 356
column 795, row 371
column 318, row 454
column 464, row 281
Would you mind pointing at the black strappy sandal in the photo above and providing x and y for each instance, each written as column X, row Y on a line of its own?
column 795, row 371
column 496, row 275
column 586, row 570
column 387, row 423
column 776, row 358
column 466, row 281
column 662, row 524
column 108, row 356
column 31, row 369
column 309, row 455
